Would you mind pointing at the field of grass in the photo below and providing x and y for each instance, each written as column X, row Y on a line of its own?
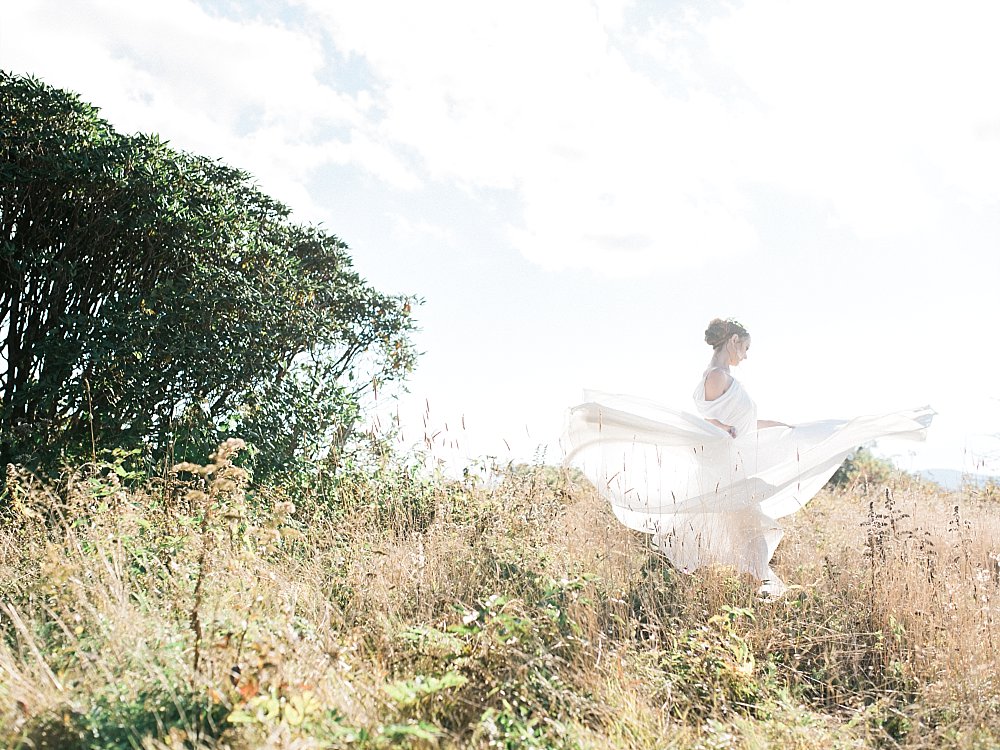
column 391, row 607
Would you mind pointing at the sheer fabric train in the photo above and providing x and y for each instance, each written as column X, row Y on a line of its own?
column 705, row 497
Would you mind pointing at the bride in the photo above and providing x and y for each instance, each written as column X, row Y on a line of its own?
column 711, row 488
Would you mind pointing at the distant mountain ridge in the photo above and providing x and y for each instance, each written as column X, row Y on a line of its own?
column 953, row 479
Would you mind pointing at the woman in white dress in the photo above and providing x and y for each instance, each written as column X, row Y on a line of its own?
column 711, row 488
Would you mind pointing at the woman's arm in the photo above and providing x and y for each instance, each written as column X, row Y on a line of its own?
column 727, row 427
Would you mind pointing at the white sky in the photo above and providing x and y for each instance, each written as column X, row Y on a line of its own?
column 576, row 188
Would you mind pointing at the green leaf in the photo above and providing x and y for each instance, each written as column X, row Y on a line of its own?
column 409, row 692
column 421, row 731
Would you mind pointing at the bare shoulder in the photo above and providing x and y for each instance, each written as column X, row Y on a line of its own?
column 716, row 383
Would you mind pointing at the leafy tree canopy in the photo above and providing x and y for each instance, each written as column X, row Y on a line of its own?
column 153, row 298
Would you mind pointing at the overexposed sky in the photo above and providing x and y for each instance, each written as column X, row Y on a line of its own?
column 576, row 187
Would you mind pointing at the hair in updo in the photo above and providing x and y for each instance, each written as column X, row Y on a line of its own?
column 719, row 331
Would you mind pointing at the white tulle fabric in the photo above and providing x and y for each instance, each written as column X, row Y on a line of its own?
column 705, row 497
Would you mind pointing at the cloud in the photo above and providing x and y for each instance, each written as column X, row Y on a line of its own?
column 631, row 136
column 538, row 100
column 640, row 137
column 250, row 91
column 406, row 229
column 871, row 107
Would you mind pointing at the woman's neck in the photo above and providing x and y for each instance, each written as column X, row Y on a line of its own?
column 720, row 362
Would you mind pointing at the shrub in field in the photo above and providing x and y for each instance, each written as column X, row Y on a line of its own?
column 151, row 297
column 862, row 467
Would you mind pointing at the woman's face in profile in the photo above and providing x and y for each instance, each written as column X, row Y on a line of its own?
column 738, row 351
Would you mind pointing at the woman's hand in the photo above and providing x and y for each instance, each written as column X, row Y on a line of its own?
column 727, row 427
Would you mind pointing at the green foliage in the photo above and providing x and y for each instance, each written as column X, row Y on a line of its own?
column 864, row 467
column 150, row 297
column 115, row 721
column 503, row 665
column 515, row 728
column 271, row 708
column 711, row 669
column 410, row 692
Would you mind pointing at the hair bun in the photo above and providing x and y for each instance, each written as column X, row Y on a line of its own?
column 719, row 331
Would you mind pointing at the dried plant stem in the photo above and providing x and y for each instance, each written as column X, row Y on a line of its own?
column 29, row 641
column 196, row 626
column 90, row 422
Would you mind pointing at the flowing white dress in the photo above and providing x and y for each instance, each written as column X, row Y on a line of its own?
column 705, row 497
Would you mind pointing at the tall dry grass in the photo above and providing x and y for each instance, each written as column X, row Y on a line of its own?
column 394, row 608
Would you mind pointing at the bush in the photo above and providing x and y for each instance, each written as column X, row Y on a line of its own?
column 155, row 298
column 864, row 467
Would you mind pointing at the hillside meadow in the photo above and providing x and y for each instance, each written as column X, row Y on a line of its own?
column 389, row 606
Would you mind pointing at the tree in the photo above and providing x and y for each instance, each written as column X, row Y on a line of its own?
column 149, row 297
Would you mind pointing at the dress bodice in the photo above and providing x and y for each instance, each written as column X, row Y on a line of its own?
column 734, row 407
